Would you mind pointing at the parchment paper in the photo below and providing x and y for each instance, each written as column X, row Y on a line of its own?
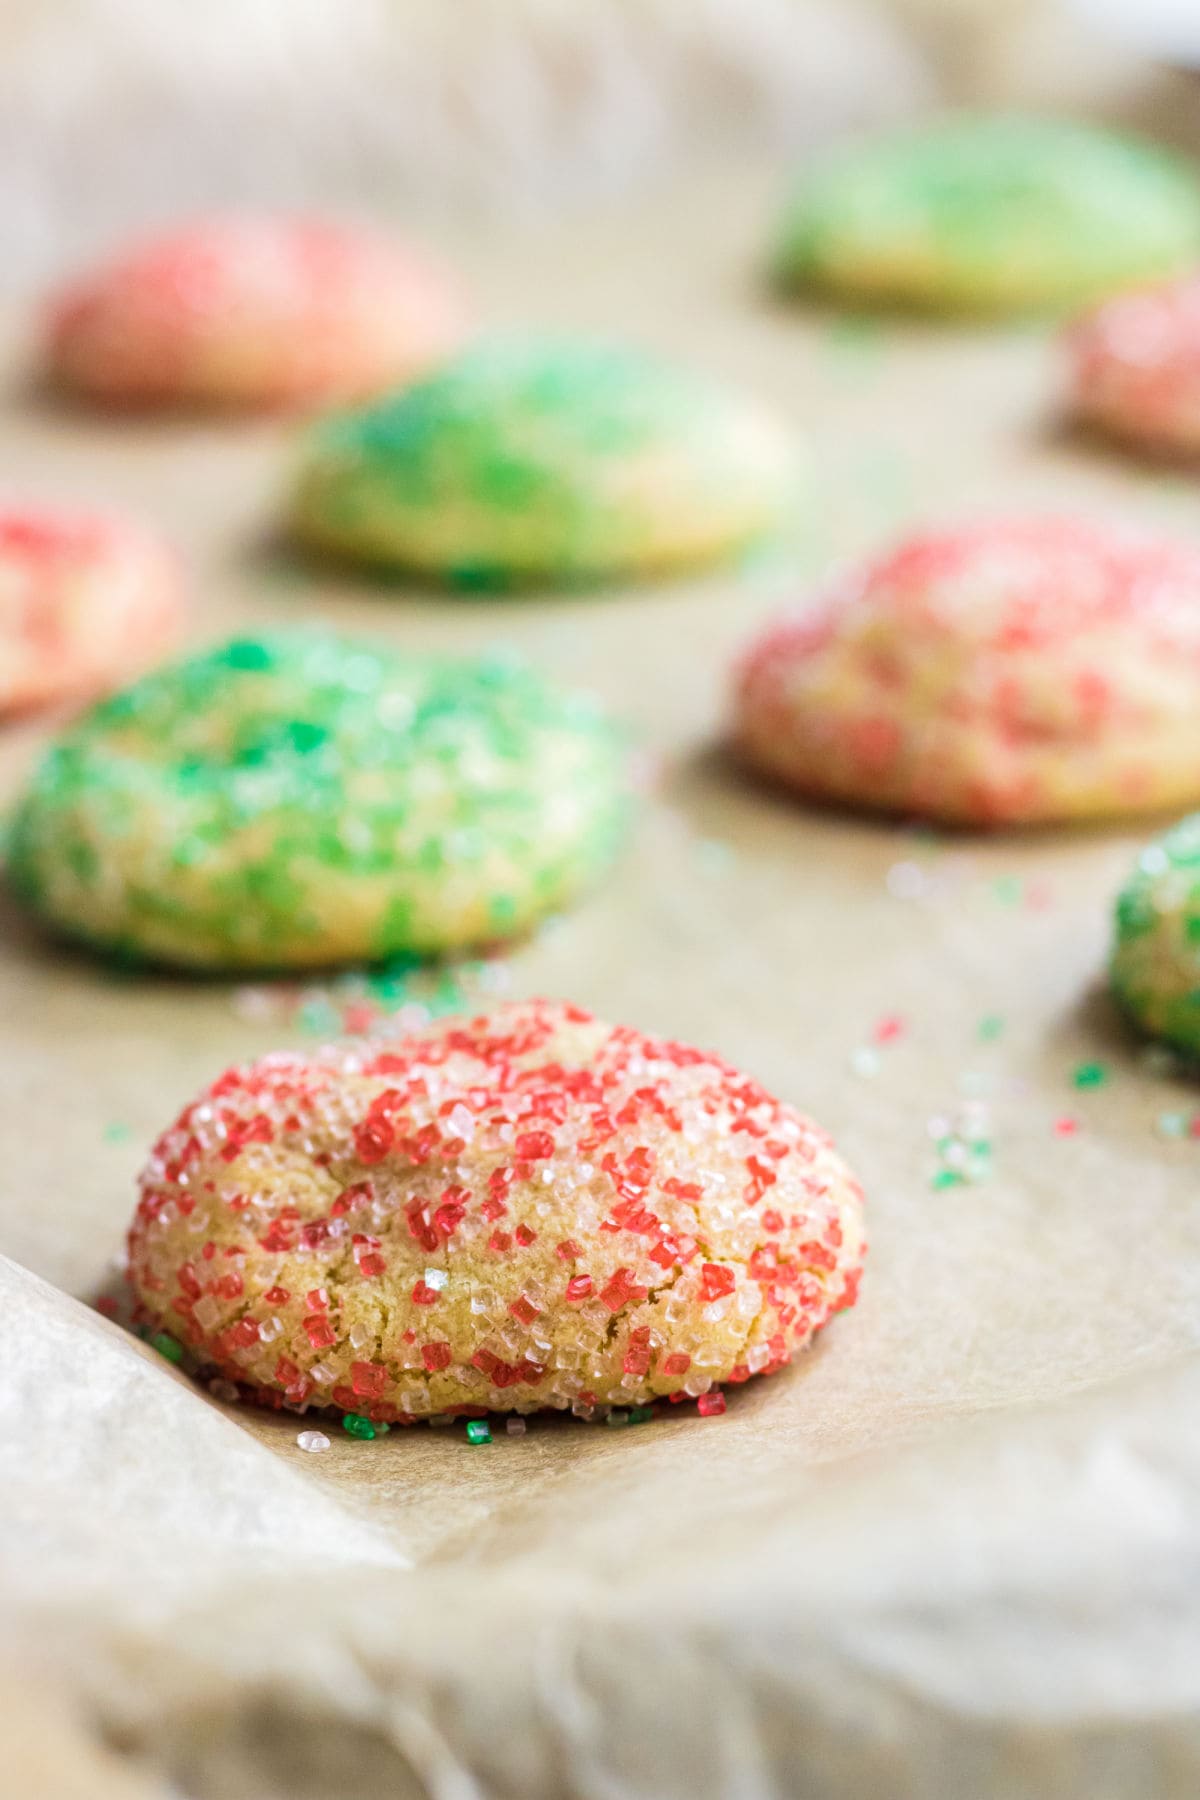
column 956, row 1550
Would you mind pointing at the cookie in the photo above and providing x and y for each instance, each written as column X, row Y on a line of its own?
column 299, row 799
column 990, row 214
column 85, row 601
column 530, row 1209
column 1003, row 673
column 246, row 312
column 546, row 460
column 1134, row 367
column 1155, row 969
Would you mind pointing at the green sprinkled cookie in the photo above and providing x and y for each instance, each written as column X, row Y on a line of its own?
column 990, row 214
column 1155, row 968
column 301, row 799
column 546, row 460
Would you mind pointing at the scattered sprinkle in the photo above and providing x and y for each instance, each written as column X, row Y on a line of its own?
column 515, row 1427
column 1173, row 1124
column 313, row 1441
column 889, row 1028
column 1090, row 1075
column 991, row 1027
column 708, row 1405
column 117, row 1132
column 1066, row 1126
column 478, row 1431
column 167, row 1346
column 358, row 1426
column 865, row 1062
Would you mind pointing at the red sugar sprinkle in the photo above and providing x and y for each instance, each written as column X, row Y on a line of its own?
column 568, row 1249
column 424, row 1296
column 500, row 1242
column 524, row 1235
column 317, row 1298
column 678, row 1363
column 523, row 1310
column 372, row 1263
column 320, row 1332
column 716, row 1280
column 107, row 1305
column 621, row 1290
column 710, row 1404
column 276, row 1296
column 368, row 1379
column 533, row 1146
column 436, row 1356
column 373, row 1138
column 1066, row 1126
column 578, row 1288
column 888, row 1029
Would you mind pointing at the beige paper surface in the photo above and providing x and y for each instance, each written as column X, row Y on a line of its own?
column 956, row 1550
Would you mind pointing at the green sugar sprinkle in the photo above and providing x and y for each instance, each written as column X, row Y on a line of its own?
column 359, row 1427
column 1090, row 1075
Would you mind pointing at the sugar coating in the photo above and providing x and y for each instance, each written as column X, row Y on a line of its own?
column 240, row 311
column 300, row 799
column 523, row 1210
column 1155, row 969
column 540, row 459
column 1134, row 366
column 991, row 214
column 85, row 600
column 1006, row 672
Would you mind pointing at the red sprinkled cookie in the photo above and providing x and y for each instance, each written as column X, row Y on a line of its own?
column 1135, row 367
column 1043, row 669
column 85, row 601
column 254, row 313
column 531, row 1209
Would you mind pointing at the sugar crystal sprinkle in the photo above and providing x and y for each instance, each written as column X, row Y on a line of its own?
column 312, row 1441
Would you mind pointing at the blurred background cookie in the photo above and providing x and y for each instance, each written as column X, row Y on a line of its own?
column 251, row 312
column 995, row 674
column 529, row 459
column 86, row 600
column 990, row 214
column 1134, row 367
column 1155, row 967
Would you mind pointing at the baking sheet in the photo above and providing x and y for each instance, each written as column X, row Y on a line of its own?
column 955, row 1550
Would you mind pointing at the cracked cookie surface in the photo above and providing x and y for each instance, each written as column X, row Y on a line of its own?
column 523, row 1210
